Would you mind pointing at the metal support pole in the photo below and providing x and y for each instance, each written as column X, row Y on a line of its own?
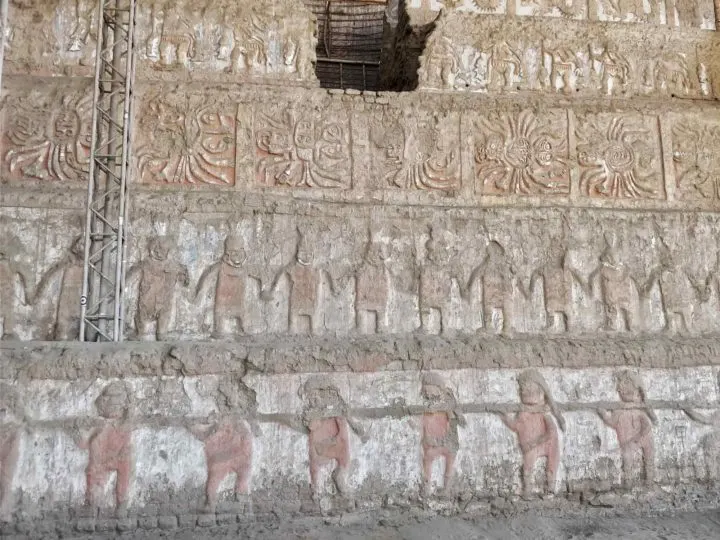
column 3, row 32
column 106, row 216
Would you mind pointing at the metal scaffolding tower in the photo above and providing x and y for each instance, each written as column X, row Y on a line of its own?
column 101, row 317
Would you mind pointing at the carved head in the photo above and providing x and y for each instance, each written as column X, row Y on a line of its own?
column 65, row 126
column 235, row 254
column 113, row 402
column 305, row 250
column 318, row 393
column 435, row 389
column 495, row 250
column 234, row 396
column 441, row 246
column 159, row 248
column 11, row 405
column 533, row 388
column 629, row 387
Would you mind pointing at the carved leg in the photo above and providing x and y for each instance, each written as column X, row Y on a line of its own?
column 530, row 458
column 167, row 53
column 242, row 479
column 449, row 469
column 183, row 52
column 215, row 477
column 8, row 463
column 430, row 454
column 648, row 456
column 122, row 485
column 163, row 325
column 431, row 319
column 301, row 323
column 339, row 476
column 367, row 321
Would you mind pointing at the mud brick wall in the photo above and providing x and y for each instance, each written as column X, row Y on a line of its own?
column 504, row 284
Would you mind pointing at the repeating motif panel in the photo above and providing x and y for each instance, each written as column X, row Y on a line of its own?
column 259, row 38
column 695, row 158
column 414, row 149
column 46, row 134
column 185, row 139
column 296, row 147
column 522, row 154
column 506, row 55
column 619, row 156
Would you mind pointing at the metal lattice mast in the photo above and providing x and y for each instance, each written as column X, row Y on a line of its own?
column 105, row 228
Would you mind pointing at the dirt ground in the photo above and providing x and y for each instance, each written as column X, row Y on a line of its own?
column 682, row 526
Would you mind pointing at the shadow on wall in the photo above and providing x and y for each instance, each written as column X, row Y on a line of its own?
column 403, row 45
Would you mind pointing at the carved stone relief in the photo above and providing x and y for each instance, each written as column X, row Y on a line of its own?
column 415, row 150
column 185, row 139
column 506, row 56
column 521, row 154
column 295, row 148
column 260, row 38
column 51, row 37
column 618, row 156
column 46, row 135
column 695, row 159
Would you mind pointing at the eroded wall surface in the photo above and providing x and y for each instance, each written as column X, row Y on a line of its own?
column 505, row 283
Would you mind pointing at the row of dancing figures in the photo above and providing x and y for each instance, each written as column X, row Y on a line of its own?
column 230, row 278
column 227, row 435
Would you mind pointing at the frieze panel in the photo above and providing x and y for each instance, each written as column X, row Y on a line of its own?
column 185, row 139
column 46, row 134
column 414, row 149
column 696, row 162
column 295, row 147
column 507, row 56
column 256, row 39
column 673, row 13
column 219, row 275
column 619, row 156
column 522, row 154
column 427, row 435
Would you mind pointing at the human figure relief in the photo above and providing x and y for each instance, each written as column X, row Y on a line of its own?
column 84, row 11
column 109, row 447
column 633, row 424
column 610, row 71
column 372, row 287
column 173, row 39
column 228, row 439
column 440, row 421
column 158, row 278
column 679, row 291
column 69, row 270
column 617, row 291
column 436, row 279
column 710, row 443
column 12, row 418
column 440, row 64
column 689, row 12
column 10, row 273
column 326, row 420
column 496, row 273
column 536, row 426
column 305, row 283
column 231, row 283
column 505, row 66
column 557, row 278
column 246, row 42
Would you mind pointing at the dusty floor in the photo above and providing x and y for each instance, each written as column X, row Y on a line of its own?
column 683, row 526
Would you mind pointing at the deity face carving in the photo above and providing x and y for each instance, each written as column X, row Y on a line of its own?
column 159, row 249
column 65, row 126
column 235, row 254
column 628, row 389
column 531, row 393
column 112, row 402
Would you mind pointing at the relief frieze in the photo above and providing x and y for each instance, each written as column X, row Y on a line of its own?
column 578, row 59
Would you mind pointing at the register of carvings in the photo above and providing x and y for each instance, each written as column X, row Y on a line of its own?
column 514, row 55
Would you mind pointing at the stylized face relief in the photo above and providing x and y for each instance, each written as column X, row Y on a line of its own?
column 531, row 393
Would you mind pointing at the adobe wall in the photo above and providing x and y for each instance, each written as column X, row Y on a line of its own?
column 504, row 285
